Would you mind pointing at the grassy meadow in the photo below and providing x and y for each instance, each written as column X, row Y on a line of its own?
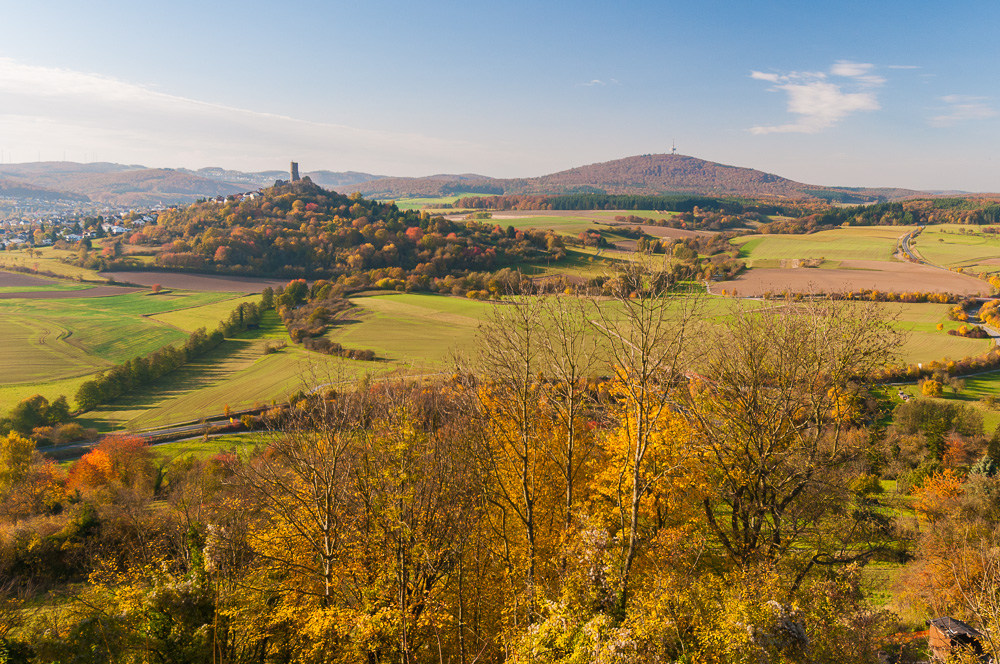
column 959, row 246
column 238, row 374
column 46, row 259
column 870, row 243
column 53, row 345
column 432, row 202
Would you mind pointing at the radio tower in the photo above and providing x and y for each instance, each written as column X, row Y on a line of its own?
column 673, row 147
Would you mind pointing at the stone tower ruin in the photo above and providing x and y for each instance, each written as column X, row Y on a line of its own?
column 295, row 171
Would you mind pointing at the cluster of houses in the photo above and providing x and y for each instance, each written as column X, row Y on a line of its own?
column 236, row 198
column 19, row 232
column 19, row 228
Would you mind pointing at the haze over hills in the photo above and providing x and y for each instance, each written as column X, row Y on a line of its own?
column 136, row 185
column 328, row 179
column 16, row 189
column 653, row 174
column 118, row 184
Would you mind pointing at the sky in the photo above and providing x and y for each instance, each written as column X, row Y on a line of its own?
column 888, row 93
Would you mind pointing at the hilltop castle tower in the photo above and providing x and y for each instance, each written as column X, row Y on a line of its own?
column 295, row 171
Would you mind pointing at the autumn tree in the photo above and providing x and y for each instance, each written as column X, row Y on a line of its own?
column 769, row 421
column 648, row 331
column 570, row 355
column 507, row 400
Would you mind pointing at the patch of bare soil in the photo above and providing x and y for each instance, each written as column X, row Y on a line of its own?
column 201, row 282
column 854, row 275
column 18, row 280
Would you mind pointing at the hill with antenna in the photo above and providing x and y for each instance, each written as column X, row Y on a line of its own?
column 650, row 174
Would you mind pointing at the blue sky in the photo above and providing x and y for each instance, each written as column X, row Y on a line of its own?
column 847, row 93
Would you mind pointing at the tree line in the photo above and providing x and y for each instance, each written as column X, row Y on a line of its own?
column 309, row 313
column 146, row 369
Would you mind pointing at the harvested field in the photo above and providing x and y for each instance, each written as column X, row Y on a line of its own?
column 571, row 222
column 217, row 283
column 18, row 280
column 896, row 276
column 18, row 285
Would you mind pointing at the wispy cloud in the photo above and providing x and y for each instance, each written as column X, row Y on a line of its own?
column 819, row 102
column 963, row 108
column 597, row 82
column 903, row 67
column 52, row 110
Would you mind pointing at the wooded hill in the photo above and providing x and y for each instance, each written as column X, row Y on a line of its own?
column 645, row 174
column 299, row 229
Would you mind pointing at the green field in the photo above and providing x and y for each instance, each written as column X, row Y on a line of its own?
column 579, row 263
column 976, row 388
column 201, row 449
column 52, row 286
column 959, row 246
column 925, row 342
column 419, row 332
column 562, row 225
column 419, row 203
column 190, row 319
column 54, row 345
column 46, row 259
column 51, row 346
column 872, row 243
column 237, row 374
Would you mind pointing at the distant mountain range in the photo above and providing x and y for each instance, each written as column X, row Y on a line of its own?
column 654, row 174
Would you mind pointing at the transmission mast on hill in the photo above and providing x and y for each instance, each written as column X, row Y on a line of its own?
column 673, row 147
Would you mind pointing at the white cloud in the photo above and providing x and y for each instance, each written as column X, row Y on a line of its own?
column 962, row 108
column 819, row 103
column 904, row 67
column 850, row 69
column 51, row 110
column 859, row 71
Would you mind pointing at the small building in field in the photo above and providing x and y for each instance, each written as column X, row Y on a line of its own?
column 947, row 635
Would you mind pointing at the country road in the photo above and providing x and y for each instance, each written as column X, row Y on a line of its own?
column 908, row 252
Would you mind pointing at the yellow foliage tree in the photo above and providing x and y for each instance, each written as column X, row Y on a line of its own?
column 939, row 494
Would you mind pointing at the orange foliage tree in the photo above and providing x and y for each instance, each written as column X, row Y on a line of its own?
column 939, row 494
column 118, row 461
